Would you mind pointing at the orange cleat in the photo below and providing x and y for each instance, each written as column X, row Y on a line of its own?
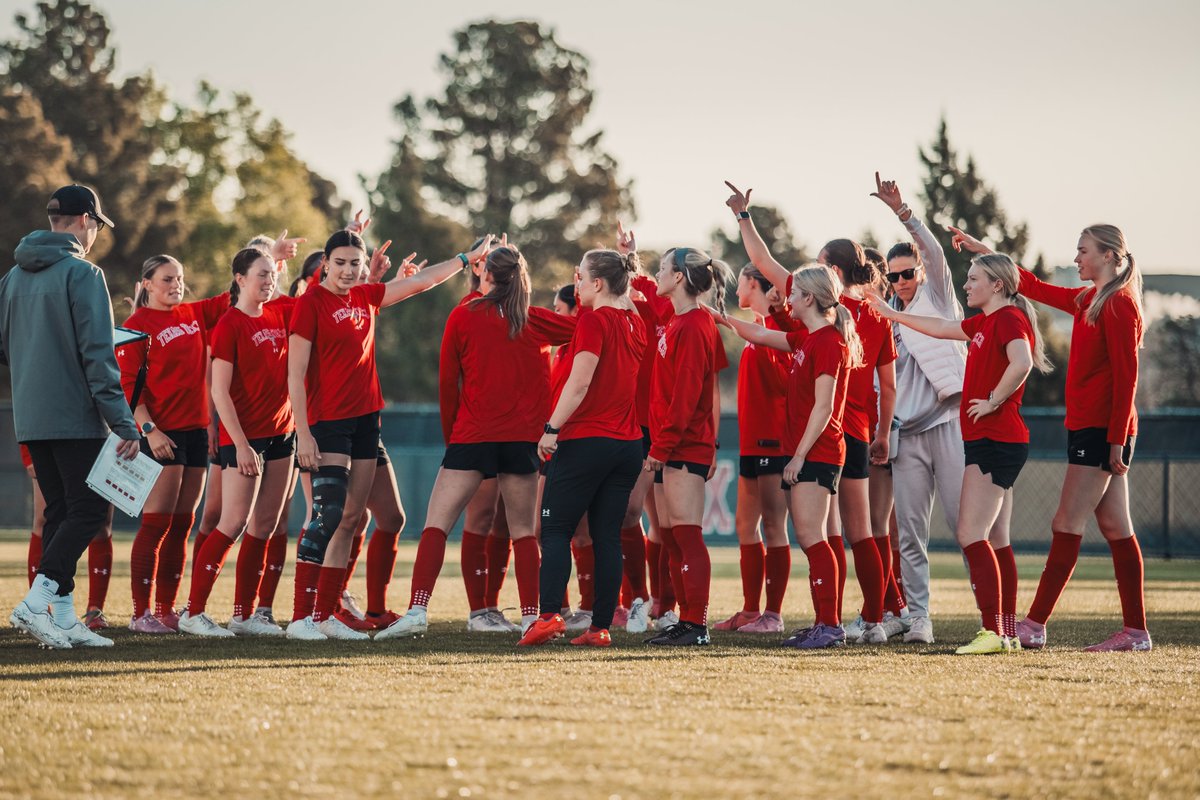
column 543, row 630
column 352, row 622
column 591, row 638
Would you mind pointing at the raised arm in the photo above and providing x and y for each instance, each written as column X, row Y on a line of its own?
column 756, row 248
column 937, row 327
column 753, row 332
column 402, row 287
column 933, row 258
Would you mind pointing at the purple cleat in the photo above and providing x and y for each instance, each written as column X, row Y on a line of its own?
column 818, row 637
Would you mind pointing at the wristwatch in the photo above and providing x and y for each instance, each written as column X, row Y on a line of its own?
column 148, row 428
column 550, row 429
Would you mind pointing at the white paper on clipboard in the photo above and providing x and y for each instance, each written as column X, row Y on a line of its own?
column 126, row 483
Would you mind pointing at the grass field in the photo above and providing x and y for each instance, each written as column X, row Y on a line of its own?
column 457, row 715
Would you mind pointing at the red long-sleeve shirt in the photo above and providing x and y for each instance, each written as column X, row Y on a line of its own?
column 655, row 312
column 762, row 391
column 681, row 407
column 1102, row 369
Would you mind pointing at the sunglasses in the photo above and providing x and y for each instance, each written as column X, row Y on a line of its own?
column 100, row 224
column 906, row 274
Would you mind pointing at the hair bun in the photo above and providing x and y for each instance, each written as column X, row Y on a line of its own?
column 631, row 262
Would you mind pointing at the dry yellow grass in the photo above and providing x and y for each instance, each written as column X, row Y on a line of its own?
column 454, row 715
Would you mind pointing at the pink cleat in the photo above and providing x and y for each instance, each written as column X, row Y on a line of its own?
column 170, row 619
column 1123, row 641
column 768, row 622
column 736, row 622
column 148, row 623
column 620, row 617
column 1031, row 635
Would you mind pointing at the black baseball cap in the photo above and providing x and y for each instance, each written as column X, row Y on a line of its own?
column 75, row 200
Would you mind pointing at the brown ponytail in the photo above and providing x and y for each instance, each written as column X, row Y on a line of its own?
column 149, row 267
column 510, row 295
column 701, row 273
column 612, row 268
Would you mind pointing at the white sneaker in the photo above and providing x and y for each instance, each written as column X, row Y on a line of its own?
column 487, row 622
column 639, row 617
column 508, row 624
column 527, row 621
column 334, row 628
column 350, row 602
column 254, row 625
column 265, row 612
column 666, row 620
column 921, row 631
column 873, row 633
column 80, row 635
column 854, row 630
column 579, row 621
column 305, row 630
column 202, row 625
column 893, row 625
column 414, row 623
column 39, row 625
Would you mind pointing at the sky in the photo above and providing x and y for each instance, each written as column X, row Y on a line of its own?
column 1076, row 112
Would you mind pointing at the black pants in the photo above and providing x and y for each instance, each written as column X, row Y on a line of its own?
column 74, row 513
column 592, row 476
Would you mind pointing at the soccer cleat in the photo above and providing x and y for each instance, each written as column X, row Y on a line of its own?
column 334, row 628
column 620, row 617
column 1011, row 644
column 819, row 637
column 639, row 617
column 381, row 621
column 873, row 633
column 254, row 625
column 80, row 635
column 984, row 643
column 305, row 630
column 512, row 626
column 685, row 634
column 148, row 623
column 767, row 622
column 413, row 623
column 579, row 621
column 666, row 621
column 1031, row 635
column 265, row 612
column 95, row 619
column 487, row 622
column 541, row 631
column 662, row 635
column 202, row 625
column 795, row 637
column 854, row 630
column 347, row 618
column 350, row 604
column 920, row 631
column 893, row 625
column 737, row 621
column 1123, row 641
column 40, row 626
column 170, row 619
column 591, row 638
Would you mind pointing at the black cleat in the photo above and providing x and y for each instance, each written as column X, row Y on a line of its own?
column 685, row 634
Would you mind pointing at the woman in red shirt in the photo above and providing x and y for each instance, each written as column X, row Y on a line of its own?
column 594, row 442
column 762, row 382
column 336, row 399
column 493, row 367
column 825, row 349
column 173, row 414
column 1004, row 347
column 1101, row 426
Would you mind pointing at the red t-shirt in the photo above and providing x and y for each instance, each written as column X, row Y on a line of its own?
column 493, row 388
column 655, row 311
column 257, row 349
column 822, row 352
column 342, row 381
column 176, row 391
column 879, row 348
column 986, row 362
column 617, row 338
column 762, row 401
column 681, row 408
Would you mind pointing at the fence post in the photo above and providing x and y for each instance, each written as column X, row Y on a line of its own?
column 1166, row 507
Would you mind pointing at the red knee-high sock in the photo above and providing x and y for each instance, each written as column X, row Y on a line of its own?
column 307, row 575
column 838, row 546
column 381, row 563
column 251, row 564
column 197, row 543
column 277, row 547
column 778, row 565
column 753, row 562
column 499, row 548
column 1008, row 590
column 100, row 557
column 869, row 570
column 473, row 560
column 653, row 557
column 172, row 557
column 356, row 546
column 823, row 582
column 1060, row 563
column 985, row 582
column 34, row 558
column 431, row 553
column 669, row 599
column 626, row 597
column 695, row 572
column 1130, row 575
column 893, row 598
column 633, row 564
column 143, row 558
column 585, row 569
column 206, row 569
column 329, row 591
column 527, row 562
column 674, row 557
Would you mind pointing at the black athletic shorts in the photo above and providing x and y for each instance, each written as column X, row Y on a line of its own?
column 1089, row 447
column 382, row 459
column 690, row 466
column 1001, row 460
column 645, row 443
column 493, row 458
column 858, row 459
column 826, row 475
column 191, row 448
column 357, row 437
column 757, row 466
column 271, row 448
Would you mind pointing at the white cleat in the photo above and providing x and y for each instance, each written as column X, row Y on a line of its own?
column 854, row 630
column 893, row 625
column 666, row 620
column 511, row 626
column 921, row 631
column 579, row 622
column 414, row 623
column 80, row 635
column 350, row 603
column 305, row 630
column 39, row 625
column 639, row 617
column 334, row 628
column 873, row 633
column 254, row 625
column 488, row 622
column 202, row 625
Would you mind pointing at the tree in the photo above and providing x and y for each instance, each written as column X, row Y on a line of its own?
column 1171, row 373
column 775, row 231
column 33, row 163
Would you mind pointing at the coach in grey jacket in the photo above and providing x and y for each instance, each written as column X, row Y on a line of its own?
column 56, row 333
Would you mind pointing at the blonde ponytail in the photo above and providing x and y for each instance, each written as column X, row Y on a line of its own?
column 824, row 286
column 999, row 267
column 1110, row 239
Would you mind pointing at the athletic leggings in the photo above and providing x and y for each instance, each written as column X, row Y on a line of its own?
column 592, row 476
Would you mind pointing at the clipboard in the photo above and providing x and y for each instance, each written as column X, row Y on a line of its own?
column 127, row 336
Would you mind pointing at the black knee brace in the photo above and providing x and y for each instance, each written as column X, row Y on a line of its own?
column 329, row 497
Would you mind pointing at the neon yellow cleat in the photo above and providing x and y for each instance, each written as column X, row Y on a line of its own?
column 984, row 642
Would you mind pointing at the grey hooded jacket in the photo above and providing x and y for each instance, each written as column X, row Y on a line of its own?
column 56, row 333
